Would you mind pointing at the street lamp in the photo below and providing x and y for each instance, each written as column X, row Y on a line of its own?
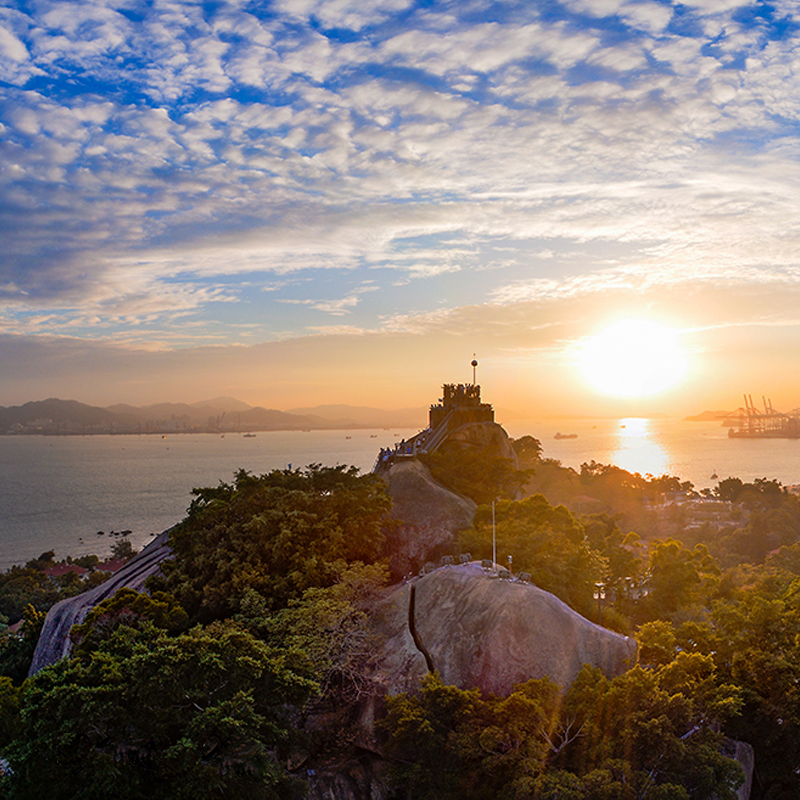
column 599, row 595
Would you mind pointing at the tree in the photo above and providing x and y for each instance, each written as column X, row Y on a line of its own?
column 449, row 742
column 644, row 734
column 678, row 577
column 528, row 450
column 16, row 649
column 330, row 626
column 654, row 731
column 129, row 608
column 146, row 715
column 278, row 534
column 122, row 548
column 546, row 541
column 9, row 711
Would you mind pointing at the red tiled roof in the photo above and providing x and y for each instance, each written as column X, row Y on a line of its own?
column 62, row 569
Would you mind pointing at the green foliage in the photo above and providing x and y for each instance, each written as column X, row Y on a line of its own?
column 330, row 626
column 657, row 728
column 147, row 715
column 89, row 561
column 678, row 577
column 16, row 649
column 603, row 532
column 528, row 450
column 23, row 586
column 278, row 535
column 122, row 548
column 657, row 643
column 9, row 712
column 474, row 473
column 130, row 608
column 644, row 734
column 759, row 493
column 546, row 541
column 449, row 742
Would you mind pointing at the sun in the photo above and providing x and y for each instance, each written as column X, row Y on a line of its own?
column 633, row 358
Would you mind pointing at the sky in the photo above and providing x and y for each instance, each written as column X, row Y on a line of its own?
column 343, row 201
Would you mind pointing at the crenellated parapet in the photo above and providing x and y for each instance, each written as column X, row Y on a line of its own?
column 460, row 404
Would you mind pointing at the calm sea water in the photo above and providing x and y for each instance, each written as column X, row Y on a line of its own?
column 58, row 492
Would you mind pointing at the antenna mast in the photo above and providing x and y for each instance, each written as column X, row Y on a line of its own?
column 474, row 366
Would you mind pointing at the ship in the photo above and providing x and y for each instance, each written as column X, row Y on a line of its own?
column 752, row 423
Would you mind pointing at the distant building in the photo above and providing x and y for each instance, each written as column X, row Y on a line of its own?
column 59, row 570
column 112, row 565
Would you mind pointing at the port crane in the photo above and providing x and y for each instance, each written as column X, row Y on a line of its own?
column 767, row 424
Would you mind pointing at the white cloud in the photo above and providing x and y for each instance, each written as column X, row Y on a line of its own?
column 313, row 163
column 351, row 14
column 12, row 48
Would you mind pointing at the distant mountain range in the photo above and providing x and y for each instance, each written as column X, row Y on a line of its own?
column 222, row 414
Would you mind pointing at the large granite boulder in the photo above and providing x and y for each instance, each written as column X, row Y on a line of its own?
column 488, row 437
column 479, row 630
column 54, row 642
column 426, row 515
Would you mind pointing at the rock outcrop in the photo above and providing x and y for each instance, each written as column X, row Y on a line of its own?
column 54, row 643
column 477, row 631
column 488, row 437
column 426, row 515
column 482, row 631
column 744, row 754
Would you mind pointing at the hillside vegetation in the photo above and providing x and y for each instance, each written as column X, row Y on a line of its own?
column 244, row 672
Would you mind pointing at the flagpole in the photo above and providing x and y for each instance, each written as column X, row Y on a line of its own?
column 494, row 540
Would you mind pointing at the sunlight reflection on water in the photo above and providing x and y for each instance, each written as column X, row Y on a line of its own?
column 637, row 449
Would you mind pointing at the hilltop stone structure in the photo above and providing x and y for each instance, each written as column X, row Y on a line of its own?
column 460, row 404
column 427, row 515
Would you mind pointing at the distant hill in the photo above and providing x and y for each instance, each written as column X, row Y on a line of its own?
column 710, row 416
column 52, row 415
column 269, row 419
column 223, row 414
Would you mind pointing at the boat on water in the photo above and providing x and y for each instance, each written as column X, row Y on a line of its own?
column 560, row 435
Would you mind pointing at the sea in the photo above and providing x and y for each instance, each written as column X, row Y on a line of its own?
column 74, row 494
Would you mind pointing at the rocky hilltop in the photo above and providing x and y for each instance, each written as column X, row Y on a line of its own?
column 473, row 623
column 474, row 628
column 479, row 630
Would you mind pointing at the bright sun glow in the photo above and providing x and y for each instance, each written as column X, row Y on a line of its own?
column 633, row 358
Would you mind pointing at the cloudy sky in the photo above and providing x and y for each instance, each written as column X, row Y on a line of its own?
column 303, row 201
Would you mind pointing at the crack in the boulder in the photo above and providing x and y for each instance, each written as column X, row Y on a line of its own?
column 413, row 628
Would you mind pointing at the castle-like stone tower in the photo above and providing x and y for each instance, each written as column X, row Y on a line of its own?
column 460, row 404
